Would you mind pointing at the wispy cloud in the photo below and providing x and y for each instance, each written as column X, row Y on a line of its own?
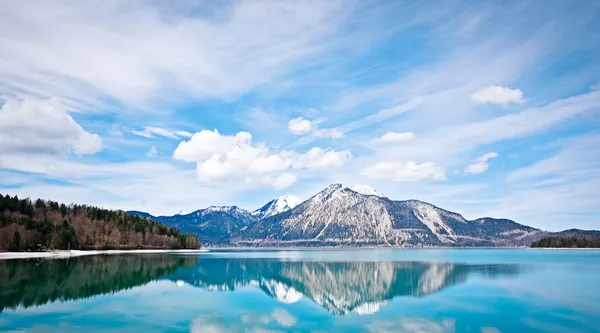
column 152, row 132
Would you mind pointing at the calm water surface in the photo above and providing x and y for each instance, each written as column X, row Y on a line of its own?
column 306, row 291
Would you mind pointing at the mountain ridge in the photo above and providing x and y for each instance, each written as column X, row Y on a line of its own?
column 340, row 216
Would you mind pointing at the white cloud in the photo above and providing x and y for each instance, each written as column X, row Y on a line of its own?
column 152, row 152
column 485, row 157
column 226, row 157
column 318, row 159
column 150, row 132
column 498, row 95
column 43, row 126
column 480, row 164
column 301, row 126
column 390, row 137
column 204, row 144
column 284, row 181
column 409, row 171
column 476, row 168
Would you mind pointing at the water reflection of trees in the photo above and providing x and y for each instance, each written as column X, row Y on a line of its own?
column 339, row 287
column 35, row 282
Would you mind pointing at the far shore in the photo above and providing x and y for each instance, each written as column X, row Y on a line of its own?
column 78, row 253
column 59, row 254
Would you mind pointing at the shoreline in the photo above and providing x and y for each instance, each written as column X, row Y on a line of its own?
column 60, row 254
column 63, row 254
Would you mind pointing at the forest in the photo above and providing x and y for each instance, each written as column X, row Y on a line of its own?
column 27, row 225
column 567, row 242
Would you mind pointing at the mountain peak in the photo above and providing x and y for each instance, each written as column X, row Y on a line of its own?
column 276, row 206
column 334, row 188
column 366, row 190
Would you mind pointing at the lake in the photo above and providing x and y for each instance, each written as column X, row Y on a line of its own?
column 384, row 290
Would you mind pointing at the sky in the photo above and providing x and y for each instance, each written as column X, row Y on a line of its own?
column 486, row 108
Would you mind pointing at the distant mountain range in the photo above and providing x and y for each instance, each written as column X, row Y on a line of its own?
column 351, row 216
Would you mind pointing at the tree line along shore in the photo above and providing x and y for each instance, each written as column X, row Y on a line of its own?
column 567, row 242
column 27, row 225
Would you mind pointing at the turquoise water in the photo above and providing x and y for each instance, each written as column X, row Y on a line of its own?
column 483, row 290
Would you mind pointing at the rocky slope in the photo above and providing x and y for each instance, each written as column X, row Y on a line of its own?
column 339, row 215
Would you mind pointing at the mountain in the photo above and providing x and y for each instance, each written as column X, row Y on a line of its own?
column 339, row 215
column 276, row 206
column 213, row 225
column 352, row 216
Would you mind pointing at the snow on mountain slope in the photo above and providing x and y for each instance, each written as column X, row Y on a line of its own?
column 366, row 190
column 276, row 206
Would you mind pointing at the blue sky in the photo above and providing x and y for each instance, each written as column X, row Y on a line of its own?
column 487, row 108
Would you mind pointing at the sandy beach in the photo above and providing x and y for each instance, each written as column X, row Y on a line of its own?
column 78, row 253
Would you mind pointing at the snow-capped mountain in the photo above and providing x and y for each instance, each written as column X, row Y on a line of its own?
column 276, row 206
column 339, row 215
column 366, row 190
column 350, row 216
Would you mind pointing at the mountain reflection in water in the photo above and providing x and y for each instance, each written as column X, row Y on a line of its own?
column 339, row 287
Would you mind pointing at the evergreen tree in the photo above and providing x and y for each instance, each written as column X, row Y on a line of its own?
column 16, row 241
